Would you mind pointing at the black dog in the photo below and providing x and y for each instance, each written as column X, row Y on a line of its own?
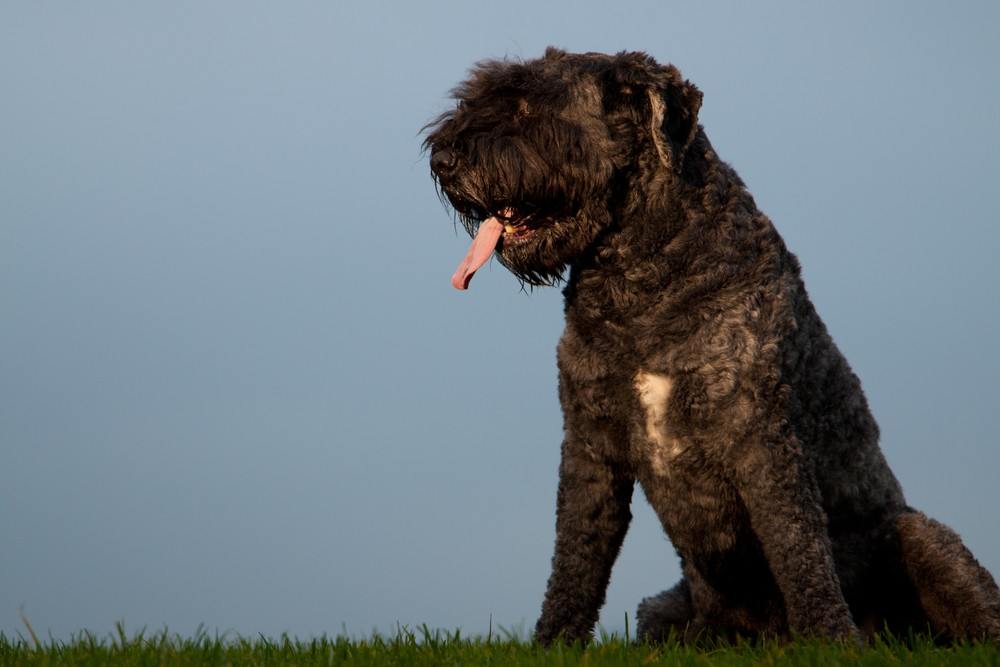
column 692, row 362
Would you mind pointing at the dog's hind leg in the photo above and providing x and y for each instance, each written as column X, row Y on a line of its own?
column 957, row 594
column 658, row 615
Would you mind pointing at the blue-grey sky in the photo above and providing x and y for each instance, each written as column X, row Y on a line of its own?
column 236, row 387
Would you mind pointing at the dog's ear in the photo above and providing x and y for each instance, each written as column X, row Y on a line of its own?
column 662, row 102
column 674, row 121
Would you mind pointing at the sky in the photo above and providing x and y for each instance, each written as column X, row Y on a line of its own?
column 237, row 389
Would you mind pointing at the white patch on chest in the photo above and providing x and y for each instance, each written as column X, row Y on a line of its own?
column 654, row 392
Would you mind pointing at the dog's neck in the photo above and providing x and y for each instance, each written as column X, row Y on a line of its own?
column 685, row 236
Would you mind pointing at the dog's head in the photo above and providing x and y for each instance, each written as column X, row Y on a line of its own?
column 537, row 155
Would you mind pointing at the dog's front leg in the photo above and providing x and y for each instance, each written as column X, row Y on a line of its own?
column 785, row 513
column 592, row 516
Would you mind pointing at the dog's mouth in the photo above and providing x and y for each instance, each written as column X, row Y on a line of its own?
column 517, row 227
column 507, row 223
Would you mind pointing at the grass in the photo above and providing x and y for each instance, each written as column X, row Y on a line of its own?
column 432, row 647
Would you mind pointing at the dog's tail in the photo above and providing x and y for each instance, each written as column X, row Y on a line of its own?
column 958, row 594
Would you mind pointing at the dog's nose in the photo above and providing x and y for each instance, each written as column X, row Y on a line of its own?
column 443, row 161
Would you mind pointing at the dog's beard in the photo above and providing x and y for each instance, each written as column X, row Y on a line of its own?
column 539, row 255
column 533, row 244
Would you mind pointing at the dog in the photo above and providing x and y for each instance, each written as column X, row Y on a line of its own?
column 693, row 363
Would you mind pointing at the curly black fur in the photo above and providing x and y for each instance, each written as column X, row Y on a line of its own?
column 694, row 363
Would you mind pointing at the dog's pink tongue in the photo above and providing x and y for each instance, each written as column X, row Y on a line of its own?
column 480, row 250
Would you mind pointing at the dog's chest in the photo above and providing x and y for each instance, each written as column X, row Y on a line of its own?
column 679, row 476
column 655, row 446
